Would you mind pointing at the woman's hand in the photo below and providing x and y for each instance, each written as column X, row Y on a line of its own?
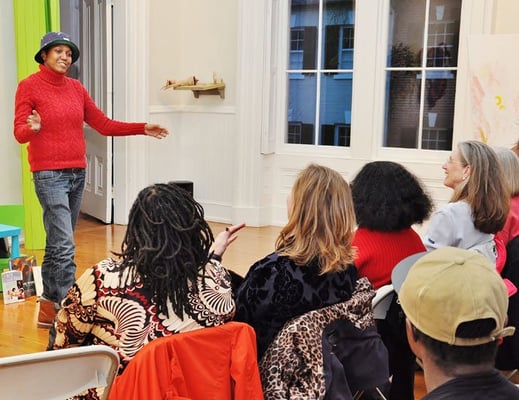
column 224, row 239
column 156, row 131
column 34, row 121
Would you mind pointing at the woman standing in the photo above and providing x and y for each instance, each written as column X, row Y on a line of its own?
column 50, row 109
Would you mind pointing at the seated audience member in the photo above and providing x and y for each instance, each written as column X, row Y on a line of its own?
column 388, row 200
column 312, row 266
column 479, row 204
column 455, row 304
column 168, row 279
column 508, row 354
column 510, row 163
column 507, row 359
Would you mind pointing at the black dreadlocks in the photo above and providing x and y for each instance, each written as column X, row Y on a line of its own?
column 166, row 244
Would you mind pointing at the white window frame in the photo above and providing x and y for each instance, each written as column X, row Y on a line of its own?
column 368, row 103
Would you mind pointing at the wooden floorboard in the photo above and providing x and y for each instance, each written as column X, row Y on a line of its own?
column 94, row 242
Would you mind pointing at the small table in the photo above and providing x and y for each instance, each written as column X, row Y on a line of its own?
column 14, row 233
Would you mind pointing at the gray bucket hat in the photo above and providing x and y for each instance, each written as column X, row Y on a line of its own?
column 52, row 39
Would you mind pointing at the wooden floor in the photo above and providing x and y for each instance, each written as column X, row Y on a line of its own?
column 94, row 242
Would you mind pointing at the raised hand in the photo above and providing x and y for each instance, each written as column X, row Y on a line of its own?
column 34, row 121
column 156, row 131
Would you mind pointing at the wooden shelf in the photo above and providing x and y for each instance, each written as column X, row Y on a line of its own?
column 205, row 89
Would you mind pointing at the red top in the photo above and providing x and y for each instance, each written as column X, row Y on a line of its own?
column 378, row 252
column 511, row 228
column 63, row 104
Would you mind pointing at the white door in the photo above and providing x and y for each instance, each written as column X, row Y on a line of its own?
column 96, row 74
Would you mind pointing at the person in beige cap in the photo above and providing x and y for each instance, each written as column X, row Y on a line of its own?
column 456, row 308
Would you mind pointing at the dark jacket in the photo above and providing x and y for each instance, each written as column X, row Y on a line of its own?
column 276, row 290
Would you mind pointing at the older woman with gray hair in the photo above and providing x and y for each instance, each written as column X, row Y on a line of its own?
column 479, row 205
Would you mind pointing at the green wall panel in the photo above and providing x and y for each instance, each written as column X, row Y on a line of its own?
column 32, row 19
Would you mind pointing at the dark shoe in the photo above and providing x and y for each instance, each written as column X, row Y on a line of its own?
column 46, row 314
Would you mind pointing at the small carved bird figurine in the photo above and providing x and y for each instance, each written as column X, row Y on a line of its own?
column 172, row 84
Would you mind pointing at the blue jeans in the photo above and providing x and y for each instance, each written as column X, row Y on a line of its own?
column 60, row 193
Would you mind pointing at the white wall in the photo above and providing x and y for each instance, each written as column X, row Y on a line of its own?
column 505, row 16
column 215, row 142
column 196, row 38
column 10, row 164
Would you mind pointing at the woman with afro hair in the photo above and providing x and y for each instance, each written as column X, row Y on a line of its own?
column 388, row 200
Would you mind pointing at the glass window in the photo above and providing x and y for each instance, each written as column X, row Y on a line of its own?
column 320, row 72
column 421, row 73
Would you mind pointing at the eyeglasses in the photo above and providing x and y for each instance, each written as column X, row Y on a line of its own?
column 450, row 160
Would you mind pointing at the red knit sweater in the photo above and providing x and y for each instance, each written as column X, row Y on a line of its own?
column 63, row 104
column 378, row 252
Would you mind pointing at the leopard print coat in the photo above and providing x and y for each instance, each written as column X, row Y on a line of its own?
column 292, row 367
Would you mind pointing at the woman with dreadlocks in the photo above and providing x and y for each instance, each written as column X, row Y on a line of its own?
column 168, row 279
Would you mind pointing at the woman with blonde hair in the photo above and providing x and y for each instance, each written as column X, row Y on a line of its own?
column 312, row 266
column 479, row 204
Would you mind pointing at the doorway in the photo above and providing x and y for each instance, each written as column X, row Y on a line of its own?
column 89, row 22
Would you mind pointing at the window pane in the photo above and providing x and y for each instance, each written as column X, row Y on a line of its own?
column 304, row 19
column 301, row 108
column 335, row 110
column 402, row 112
column 443, row 33
column 309, row 82
column 438, row 110
column 420, row 86
column 338, row 34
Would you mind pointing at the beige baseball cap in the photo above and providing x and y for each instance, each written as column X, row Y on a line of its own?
column 448, row 286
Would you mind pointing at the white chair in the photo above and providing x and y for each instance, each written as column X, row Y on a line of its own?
column 58, row 374
column 384, row 295
column 382, row 301
column 401, row 270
